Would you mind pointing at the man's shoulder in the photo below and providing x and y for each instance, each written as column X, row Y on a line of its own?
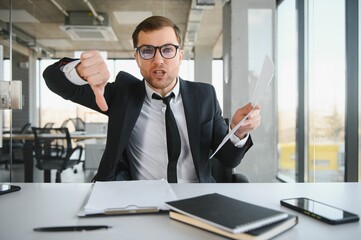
column 127, row 80
column 196, row 84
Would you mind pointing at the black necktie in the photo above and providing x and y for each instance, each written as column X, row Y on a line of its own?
column 173, row 139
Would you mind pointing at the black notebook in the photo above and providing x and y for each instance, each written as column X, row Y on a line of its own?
column 226, row 213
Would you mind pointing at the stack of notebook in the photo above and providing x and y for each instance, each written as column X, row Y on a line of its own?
column 230, row 217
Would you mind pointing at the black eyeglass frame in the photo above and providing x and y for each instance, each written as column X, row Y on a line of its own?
column 155, row 50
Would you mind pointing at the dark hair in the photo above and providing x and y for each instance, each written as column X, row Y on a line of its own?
column 155, row 23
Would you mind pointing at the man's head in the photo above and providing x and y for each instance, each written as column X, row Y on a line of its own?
column 156, row 23
column 157, row 41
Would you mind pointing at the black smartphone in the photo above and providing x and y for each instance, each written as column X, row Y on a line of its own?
column 8, row 188
column 320, row 211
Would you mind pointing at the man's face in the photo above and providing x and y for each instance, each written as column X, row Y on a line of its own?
column 160, row 73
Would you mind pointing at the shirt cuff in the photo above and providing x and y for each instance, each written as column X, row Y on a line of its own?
column 239, row 142
column 71, row 73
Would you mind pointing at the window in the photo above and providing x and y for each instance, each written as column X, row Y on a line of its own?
column 323, row 68
column 359, row 90
column 52, row 107
column 326, row 73
column 217, row 79
column 286, row 68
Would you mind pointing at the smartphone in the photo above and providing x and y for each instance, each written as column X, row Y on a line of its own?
column 320, row 211
column 7, row 188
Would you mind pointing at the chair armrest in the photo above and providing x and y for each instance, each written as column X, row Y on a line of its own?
column 77, row 148
column 239, row 178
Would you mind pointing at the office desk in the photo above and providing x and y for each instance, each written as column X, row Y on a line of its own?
column 76, row 136
column 50, row 204
column 28, row 149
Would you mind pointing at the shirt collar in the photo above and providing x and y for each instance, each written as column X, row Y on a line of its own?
column 150, row 91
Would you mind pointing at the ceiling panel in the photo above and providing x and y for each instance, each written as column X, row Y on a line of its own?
column 48, row 33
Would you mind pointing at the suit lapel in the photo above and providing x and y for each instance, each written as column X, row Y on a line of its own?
column 191, row 105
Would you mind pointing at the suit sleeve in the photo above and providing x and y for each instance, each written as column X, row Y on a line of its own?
column 57, row 82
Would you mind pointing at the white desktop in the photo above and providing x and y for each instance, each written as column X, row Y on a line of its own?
column 57, row 204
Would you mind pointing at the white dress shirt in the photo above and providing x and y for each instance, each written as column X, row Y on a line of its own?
column 148, row 141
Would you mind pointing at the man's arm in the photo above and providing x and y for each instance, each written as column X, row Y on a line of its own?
column 91, row 69
column 58, row 83
column 56, row 80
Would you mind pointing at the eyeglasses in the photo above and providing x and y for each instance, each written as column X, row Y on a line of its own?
column 147, row 52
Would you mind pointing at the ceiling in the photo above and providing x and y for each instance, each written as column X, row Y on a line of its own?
column 37, row 24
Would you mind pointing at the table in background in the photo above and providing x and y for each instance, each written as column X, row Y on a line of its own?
column 28, row 148
column 56, row 204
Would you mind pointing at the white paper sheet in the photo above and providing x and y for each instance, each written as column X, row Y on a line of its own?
column 262, row 83
column 129, row 196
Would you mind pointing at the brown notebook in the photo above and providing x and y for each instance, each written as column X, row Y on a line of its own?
column 262, row 233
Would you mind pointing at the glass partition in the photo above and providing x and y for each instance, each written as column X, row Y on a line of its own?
column 286, row 68
column 359, row 90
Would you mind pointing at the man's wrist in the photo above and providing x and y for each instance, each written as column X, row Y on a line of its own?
column 71, row 74
column 239, row 142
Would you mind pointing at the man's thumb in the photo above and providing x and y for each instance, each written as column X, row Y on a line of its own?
column 99, row 98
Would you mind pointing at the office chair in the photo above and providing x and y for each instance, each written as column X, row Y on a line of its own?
column 49, row 125
column 53, row 150
column 77, row 123
column 17, row 148
column 24, row 129
column 65, row 123
column 222, row 174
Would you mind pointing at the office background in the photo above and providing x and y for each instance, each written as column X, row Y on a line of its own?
column 310, row 123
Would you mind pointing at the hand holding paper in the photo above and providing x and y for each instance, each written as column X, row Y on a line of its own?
column 252, row 121
column 262, row 83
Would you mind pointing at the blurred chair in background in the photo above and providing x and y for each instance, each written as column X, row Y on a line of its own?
column 49, row 125
column 77, row 124
column 53, row 150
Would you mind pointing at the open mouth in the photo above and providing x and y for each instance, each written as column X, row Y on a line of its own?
column 159, row 73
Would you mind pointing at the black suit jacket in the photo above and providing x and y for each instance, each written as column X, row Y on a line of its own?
column 125, row 97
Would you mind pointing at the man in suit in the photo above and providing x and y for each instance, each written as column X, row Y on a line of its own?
column 136, row 142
